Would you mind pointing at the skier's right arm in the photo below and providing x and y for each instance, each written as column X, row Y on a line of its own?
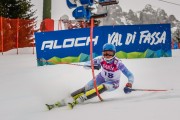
column 97, row 66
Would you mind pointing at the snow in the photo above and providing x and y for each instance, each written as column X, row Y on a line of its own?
column 25, row 88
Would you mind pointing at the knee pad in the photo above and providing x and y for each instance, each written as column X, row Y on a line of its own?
column 111, row 87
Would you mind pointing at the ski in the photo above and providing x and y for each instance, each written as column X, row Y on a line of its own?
column 56, row 105
column 108, row 3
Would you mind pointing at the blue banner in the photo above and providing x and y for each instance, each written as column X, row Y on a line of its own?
column 131, row 41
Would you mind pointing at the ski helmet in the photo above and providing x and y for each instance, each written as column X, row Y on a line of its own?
column 109, row 47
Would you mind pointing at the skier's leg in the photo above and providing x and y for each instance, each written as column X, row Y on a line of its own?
column 88, row 95
column 90, row 85
column 106, row 86
column 78, row 93
column 89, row 91
column 81, row 94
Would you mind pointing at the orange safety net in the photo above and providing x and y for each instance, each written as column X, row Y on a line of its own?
column 16, row 33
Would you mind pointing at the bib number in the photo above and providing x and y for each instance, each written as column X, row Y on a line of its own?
column 109, row 75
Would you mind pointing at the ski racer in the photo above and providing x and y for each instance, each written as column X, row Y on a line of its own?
column 107, row 80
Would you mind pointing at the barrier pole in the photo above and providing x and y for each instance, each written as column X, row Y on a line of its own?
column 2, row 39
column 17, row 35
column 91, row 58
column 59, row 25
column 33, row 38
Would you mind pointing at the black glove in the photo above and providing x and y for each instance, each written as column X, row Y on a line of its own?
column 97, row 66
column 127, row 88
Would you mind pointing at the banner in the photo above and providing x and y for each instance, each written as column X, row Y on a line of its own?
column 131, row 41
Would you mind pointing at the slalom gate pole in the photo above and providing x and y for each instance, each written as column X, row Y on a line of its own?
column 152, row 90
column 91, row 58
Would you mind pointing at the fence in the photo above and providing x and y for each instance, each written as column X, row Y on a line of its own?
column 19, row 33
column 16, row 33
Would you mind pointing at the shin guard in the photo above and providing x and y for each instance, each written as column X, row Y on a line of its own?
column 92, row 93
column 78, row 93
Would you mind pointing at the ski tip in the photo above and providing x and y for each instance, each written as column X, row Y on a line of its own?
column 49, row 107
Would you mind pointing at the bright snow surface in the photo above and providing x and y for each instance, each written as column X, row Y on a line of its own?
column 26, row 88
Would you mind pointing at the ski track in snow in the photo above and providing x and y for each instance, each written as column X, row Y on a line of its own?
column 25, row 88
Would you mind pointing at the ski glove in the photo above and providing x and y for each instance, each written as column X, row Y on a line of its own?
column 127, row 88
column 97, row 66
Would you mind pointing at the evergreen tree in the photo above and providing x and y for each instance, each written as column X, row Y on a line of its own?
column 17, row 9
column 17, row 15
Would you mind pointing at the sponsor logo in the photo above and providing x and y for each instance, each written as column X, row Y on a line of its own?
column 68, row 43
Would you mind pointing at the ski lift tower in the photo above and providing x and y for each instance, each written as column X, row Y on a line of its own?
column 47, row 24
column 46, row 9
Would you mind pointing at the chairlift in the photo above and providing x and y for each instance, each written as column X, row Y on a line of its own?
column 85, row 10
column 108, row 2
column 81, row 13
column 73, row 3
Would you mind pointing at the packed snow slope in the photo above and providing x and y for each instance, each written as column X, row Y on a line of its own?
column 25, row 88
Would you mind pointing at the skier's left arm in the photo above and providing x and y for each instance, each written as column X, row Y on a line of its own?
column 129, row 75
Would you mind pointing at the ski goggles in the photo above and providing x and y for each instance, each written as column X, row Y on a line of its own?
column 108, row 53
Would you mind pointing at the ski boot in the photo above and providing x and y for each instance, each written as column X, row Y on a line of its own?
column 81, row 99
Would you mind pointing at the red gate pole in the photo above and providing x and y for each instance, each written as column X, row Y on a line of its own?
column 2, row 38
column 91, row 57
column 17, row 34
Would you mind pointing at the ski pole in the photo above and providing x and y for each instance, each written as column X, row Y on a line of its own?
column 73, row 64
column 70, row 64
column 155, row 90
column 41, row 60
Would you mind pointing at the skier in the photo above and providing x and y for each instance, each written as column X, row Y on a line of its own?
column 107, row 80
